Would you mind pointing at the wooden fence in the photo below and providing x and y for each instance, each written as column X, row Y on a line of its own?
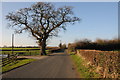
column 8, row 59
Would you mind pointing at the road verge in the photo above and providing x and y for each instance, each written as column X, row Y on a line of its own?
column 83, row 70
column 20, row 62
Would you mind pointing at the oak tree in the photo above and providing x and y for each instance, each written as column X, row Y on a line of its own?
column 42, row 20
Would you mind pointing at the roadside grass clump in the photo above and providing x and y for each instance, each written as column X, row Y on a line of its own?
column 19, row 62
column 82, row 69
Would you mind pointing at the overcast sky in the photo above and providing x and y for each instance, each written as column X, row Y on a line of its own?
column 98, row 20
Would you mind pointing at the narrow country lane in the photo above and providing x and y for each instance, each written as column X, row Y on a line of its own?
column 57, row 65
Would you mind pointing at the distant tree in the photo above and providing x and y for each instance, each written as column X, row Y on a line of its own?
column 71, row 47
column 60, row 45
column 99, row 41
column 98, row 44
column 64, row 46
column 84, row 43
column 5, row 46
column 41, row 20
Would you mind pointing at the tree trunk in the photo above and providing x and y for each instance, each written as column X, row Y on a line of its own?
column 43, row 48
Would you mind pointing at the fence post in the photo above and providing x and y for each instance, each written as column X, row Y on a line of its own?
column 8, row 56
column 12, row 42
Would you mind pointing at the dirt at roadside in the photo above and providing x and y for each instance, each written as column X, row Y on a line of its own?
column 33, row 57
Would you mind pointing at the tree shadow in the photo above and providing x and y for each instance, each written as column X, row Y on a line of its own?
column 21, row 58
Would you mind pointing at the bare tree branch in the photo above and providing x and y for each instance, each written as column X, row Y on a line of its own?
column 42, row 20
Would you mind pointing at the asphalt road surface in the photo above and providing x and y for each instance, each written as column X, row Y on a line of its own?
column 57, row 65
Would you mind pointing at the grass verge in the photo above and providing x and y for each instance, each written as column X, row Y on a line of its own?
column 16, row 64
column 82, row 69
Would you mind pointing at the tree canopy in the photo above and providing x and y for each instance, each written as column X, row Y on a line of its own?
column 41, row 20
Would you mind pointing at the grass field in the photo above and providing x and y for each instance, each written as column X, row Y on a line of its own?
column 22, row 51
column 18, row 48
